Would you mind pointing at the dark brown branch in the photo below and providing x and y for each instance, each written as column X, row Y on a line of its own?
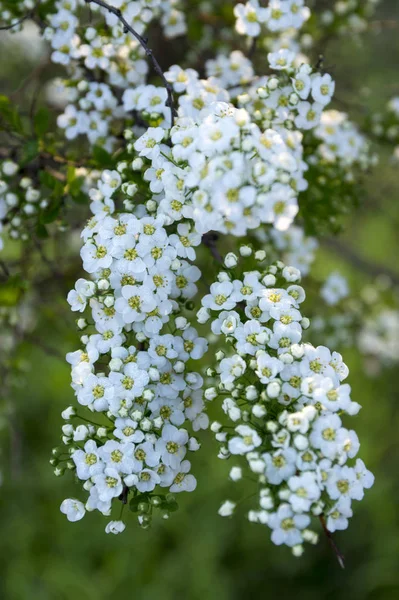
column 49, row 350
column 5, row 268
column 124, row 495
column 209, row 240
column 338, row 553
column 143, row 43
column 252, row 48
column 359, row 262
column 21, row 20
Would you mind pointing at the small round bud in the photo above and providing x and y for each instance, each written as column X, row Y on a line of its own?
column 259, row 411
column 109, row 301
column 245, row 250
column 137, row 164
column 273, row 389
column 230, row 260
column 103, row 284
column 81, row 323
column 273, row 83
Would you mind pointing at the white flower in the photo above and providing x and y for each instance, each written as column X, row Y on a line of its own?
column 183, row 481
column 287, row 526
column 334, row 289
column 282, row 59
column 227, row 508
column 246, row 441
column 280, row 465
column 148, row 144
column 304, row 490
column 115, row 527
column 322, row 88
column 77, row 298
column 337, row 517
column 73, row 509
column 108, row 484
column 147, row 481
column 248, row 18
column 172, row 445
column 232, row 368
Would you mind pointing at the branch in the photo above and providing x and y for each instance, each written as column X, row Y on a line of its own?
column 359, row 262
column 21, row 20
column 143, row 43
column 209, row 240
column 49, row 350
column 333, row 545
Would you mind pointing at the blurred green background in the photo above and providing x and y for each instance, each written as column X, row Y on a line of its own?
column 198, row 555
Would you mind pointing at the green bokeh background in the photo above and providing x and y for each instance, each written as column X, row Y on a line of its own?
column 197, row 555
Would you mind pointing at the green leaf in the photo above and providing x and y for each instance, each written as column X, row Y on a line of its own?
column 80, row 198
column 102, row 157
column 51, row 213
column 29, row 151
column 11, row 291
column 41, row 231
column 10, row 114
column 41, row 121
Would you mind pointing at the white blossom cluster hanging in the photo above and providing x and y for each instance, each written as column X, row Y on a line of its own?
column 284, row 400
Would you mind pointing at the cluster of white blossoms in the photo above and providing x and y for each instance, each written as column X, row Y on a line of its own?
column 132, row 372
column 19, row 200
column 379, row 337
column 348, row 16
column 223, row 172
column 277, row 16
column 233, row 161
column 342, row 143
column 385, row 125
column 334, row 289
column 94, row 106
column 293, row 98
column 285, row 400
column 291, row 246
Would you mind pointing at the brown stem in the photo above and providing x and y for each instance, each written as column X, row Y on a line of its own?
column 21, row 20
column 209, row 240
column 359, row 262
column 143, row 43
column 338, row 553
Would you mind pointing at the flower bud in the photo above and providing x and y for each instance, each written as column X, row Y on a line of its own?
column 230, row 260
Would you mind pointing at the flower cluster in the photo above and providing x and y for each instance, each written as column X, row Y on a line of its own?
column 385, row 125
column 341, row 142
column 291, row 246
column 94, row 106
column 285, row 400
column 242, row 154
column 133, row 373
column 279, row 15
column 294, row 97
column 347, row 16
column 224, row 173
column 335, row 289
column 20, row 199
column 379, row 337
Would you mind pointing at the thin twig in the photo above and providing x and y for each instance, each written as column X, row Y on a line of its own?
column 209, row 240
column 49, row 350
column 338, row 553
column 143, row 43
column 252, row 48
column 5, row 268
column 21, row 20
column 370, row 268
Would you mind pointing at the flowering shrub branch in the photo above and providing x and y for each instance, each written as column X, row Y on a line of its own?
column 231, row 151
column 149, row 53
